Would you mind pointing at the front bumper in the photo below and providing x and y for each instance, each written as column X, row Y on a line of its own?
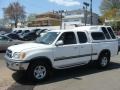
column 16, row 65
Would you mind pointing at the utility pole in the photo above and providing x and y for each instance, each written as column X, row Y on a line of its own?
column 85, row 11
column 61, row 15
column 84, row 15
column 91, row 11
column 60, row 12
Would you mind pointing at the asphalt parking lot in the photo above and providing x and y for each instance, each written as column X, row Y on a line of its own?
column 80, row 78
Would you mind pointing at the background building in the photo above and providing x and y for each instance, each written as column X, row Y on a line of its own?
column 46, row 19
column 77, row 18
column 70, row 19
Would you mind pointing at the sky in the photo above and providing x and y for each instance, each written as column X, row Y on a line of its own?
column 40, row 6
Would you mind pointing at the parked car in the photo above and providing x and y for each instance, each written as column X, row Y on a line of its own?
column 2, row 32
column 61, row 49
column 32, row 35
column 41, row 31
column 36, row 30
column 29, row 36
column 5, row 42
column 17, row 32
column 12, row 36
column 22, row 33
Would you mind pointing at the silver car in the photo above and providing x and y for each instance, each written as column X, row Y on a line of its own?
column 5, row 42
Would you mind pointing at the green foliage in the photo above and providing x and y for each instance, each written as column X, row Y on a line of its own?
column 110, row 10
column 108, row 5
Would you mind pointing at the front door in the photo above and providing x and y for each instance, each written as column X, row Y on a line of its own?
column 67, row 54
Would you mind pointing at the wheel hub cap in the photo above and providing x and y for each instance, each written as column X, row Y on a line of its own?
column 40, row 72
column 104, row 61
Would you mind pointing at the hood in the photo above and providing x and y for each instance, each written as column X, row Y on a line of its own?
column 20, row 47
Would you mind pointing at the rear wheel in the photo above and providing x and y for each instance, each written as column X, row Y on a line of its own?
column 103, row 61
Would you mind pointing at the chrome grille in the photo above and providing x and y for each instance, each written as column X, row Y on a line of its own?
column 9, row 53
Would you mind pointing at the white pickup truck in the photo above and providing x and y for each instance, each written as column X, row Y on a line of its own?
column 61, row 49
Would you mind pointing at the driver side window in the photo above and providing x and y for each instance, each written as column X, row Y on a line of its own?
column 68, row 38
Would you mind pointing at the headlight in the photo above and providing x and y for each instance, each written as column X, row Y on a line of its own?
column 16, row 55
column 20, row 55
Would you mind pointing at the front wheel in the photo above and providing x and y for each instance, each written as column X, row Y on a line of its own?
column 103, row 61
column 38, row 71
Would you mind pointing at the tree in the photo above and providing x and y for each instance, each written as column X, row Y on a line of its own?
column 108, row 5
column 110, row 14
column 110, row 10
column 15, row 13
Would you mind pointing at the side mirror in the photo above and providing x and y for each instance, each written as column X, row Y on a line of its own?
column 59, row 43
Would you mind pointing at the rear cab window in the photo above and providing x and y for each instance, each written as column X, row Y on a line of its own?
column 111, row 32
column 98, row 36
column 105, row 31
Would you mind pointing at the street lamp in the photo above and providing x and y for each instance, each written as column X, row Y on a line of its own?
column 85, row 11
column 86, row 4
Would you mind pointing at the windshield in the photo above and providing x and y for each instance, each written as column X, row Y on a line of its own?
column 48, row 38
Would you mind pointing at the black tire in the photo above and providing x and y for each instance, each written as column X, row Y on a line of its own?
column 103, row 61
column 32, row 70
